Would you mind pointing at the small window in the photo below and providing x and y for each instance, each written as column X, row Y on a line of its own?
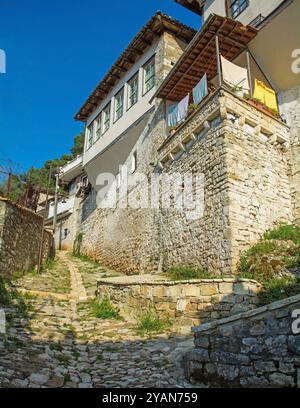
column 72, row 187
column 149, row 75
column 134, row 162
column 133, row 86
column 84, row 181
column 66, row 232
column 90, row 132
column 98, row 126
column 106, row 119
column 118, row 181
column 119, row 105
column 236, row 7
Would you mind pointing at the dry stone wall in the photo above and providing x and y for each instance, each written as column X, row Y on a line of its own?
column 186, row 303
column 20, row 234
column 258, row 348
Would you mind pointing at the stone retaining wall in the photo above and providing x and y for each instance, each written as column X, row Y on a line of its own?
column 187, row 303
column 254, row 349
column 20, row 233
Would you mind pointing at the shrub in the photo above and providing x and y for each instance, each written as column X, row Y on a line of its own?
column 187, row 273
column 150, row 323
column 269, row 262
column 77, row 245
column 103, row 309
column 5, row 295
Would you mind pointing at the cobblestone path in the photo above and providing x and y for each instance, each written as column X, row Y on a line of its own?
column 59, row 344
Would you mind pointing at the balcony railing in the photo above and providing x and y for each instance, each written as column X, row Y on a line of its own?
column 62, row 206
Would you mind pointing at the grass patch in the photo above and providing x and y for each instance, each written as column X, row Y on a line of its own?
column 271, row 261
column 67, row 378
column 86, row 258
column 151, row 323
column 278, row 289
column 284, row 233
column 187, row 273
column 10, row 297
column 103, row 309
column 56, row 347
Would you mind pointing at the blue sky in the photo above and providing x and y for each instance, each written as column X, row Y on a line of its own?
column 57, row 51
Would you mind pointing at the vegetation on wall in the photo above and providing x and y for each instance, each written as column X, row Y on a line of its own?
column 182, row 272
column 275, row 262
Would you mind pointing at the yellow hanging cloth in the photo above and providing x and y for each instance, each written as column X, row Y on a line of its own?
column 265, row 95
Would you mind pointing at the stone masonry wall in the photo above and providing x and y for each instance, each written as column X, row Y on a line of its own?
column 290, row 109
column 243, row 156
column 257, row 348
column 186, row 303
column 125, row 239
column 20, row 232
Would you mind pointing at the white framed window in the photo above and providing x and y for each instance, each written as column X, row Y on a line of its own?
column 106, row 119
column 236, row 7
column 90, row 135
column 133, row 89
column 118, row 181
column 119, row 105
column 149, row 75
column 134, row 162
column 84, row 181
column 98, row 126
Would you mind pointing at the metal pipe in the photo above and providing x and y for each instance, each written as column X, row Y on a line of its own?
column 249, row 72
column 218, row 61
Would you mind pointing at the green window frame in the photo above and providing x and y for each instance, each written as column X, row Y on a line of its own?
column 106, row 119
column 119, row 105
column 98, row 121
column 90, row 135
column 149, row 75
column 133, row 89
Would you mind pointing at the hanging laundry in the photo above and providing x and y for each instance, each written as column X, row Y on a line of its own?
column 266, row 95
column 173, row 115
column 234, row 75
column 183, row 107
column 201, row 90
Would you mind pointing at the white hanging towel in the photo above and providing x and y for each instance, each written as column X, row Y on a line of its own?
column 183, row 107
column 234, row 75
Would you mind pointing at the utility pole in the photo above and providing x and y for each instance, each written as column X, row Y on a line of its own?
column 43, row 225
column 56, row 202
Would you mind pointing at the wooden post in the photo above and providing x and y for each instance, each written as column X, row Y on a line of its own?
column 165, row 119
column 43, row 225
column 218, row 61
column 249, row 72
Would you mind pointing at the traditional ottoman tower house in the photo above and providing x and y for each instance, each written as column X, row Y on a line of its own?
column 216, row 102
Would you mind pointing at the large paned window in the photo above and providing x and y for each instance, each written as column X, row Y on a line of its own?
column 149, row 75
column 119, row 105
column 236, row 7
column 133, row 88
column 106, row 118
